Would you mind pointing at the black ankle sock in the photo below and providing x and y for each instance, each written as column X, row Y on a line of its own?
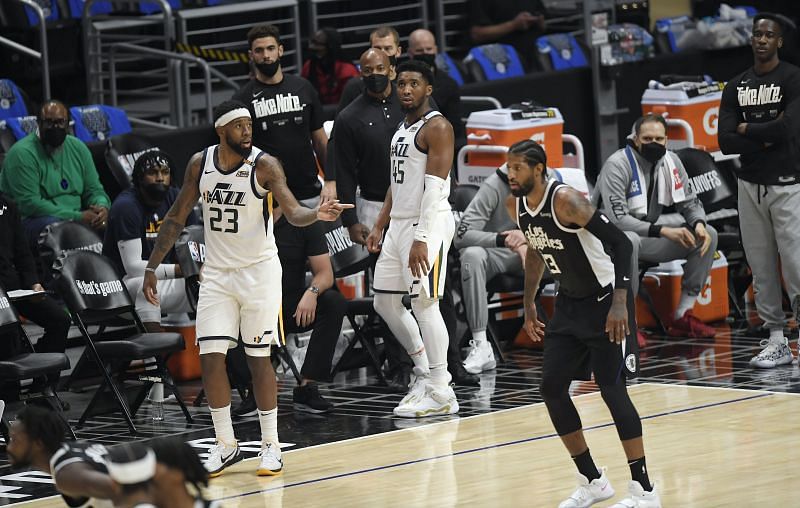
column 586, row 466
column 639, row 473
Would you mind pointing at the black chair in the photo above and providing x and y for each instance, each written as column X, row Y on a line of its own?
column 30, row 365
column 348, row 258
column 66, row 236
column 120, row 155
column 94, row 293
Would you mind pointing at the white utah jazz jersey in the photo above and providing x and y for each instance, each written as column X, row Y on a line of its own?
column 408, row 171
column 237, row 213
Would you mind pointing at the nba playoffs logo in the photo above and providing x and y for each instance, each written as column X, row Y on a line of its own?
column 197, row 251
column 710, row 119
column 630, row 363
column 96, row 122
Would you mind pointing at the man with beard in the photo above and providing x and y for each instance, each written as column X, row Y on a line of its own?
column 135, row 218
column 287, row 117
column 413, row 257
column 78, row 469
column 240, row 292
column 51, row 177
column 325, row 69
column 592, row 322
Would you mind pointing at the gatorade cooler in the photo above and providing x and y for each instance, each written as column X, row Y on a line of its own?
column 663, row 283
column 185, row 365
column 698, row 107
column 505, row 127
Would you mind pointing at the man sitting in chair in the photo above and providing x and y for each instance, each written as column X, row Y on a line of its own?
column 633, row 187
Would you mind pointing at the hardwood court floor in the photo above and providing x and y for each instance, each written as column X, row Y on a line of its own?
column 706, row 447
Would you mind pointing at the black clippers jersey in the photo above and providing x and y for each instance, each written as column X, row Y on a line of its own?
column 86, row 453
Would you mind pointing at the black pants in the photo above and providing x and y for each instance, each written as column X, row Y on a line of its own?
column 48, row 314
column 325, row 331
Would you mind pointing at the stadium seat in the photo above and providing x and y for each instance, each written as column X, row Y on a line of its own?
column 12, row 103
column 16, row 128
column 99, row 122
column 76, row 8
column 66, row 236
column 493, row 61
column 560, row 51
column 448, row 65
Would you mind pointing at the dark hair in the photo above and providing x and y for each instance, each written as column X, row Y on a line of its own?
column 261, row 31
column 333, row 44
column 150, row 159
column 775, row 18
column 125, row 454
column 416, row 66
column 43, row 425
column 225, row 107
column 531, row 151
column 648, row 118
column 178, row 454
column 385, row 31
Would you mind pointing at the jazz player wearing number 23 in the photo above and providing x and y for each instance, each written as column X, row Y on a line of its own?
column 240, row 290
column 592, row 319
column 414, row 253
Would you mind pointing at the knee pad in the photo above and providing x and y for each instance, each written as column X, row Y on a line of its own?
column 620, row 405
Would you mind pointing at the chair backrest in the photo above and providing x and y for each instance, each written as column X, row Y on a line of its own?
column 706, row 180
column 446, row 64
column 99, row 122
column 12, row 103
column 560, row 51
column 60, row 237
column 76, row 8
column 493, row 61
column 121, row 153
column 190, row 250
column 463, row 195
column 8, row 314
column 89, row 282
column 347, row 257
column 21, row 126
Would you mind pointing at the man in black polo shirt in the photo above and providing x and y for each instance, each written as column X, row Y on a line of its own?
column 287, row 117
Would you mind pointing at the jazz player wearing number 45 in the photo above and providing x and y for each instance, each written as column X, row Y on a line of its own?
column 590, row 329
column 240, row 291
column 414, row 253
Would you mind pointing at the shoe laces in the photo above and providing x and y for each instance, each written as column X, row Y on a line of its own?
column 770, row 348
column 267, row 449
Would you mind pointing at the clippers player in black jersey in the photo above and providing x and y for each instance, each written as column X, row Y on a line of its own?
column 78, row 469
column 592, row 322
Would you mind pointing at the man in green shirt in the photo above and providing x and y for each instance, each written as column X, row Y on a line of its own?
column 51, row 176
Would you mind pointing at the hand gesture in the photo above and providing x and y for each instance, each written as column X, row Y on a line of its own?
column 617, row 321
column 374, row 240
column 702, row 234
column 681, row 236
column 358, row 233
column 328, row 191
column 331, row 210
column 533, row 327
column 513, row 238
column 306, row 311
column 149, row 288
column 418, row 259
column 100, row 218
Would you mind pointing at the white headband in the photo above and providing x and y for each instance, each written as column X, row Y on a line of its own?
column 231, row 116
column 137, row 471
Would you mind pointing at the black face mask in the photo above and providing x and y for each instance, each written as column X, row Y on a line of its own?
column 393, row 61
column 54, row 136
column 652, row 152
column 268, row 69
column 156, row 192
column 376, row 83
column 427, row 58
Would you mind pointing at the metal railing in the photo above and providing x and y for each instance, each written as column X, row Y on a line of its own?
column 39, row 55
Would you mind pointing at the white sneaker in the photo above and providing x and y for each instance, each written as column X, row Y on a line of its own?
column 639, row 498
column 271, row 463
column 773, row 354
column 416, row 388
column 480, row 357
column 221, row 456
column 589, row 493
column 435, row 401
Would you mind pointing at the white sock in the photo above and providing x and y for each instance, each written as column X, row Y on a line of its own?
column 223, row 426
column 479, row 337
column 776, row 335
column 269, row 427
column 686, row 303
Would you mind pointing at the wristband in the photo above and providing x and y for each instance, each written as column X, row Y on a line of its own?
column 654, row 231
column 151, row 270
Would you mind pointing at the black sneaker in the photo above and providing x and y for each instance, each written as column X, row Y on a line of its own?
column 307, row 398
column 248, row 407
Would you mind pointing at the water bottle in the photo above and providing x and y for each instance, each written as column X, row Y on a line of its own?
column 157, row 402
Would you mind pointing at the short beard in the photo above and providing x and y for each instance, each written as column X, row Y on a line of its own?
column 236, row 147
column 521, row 190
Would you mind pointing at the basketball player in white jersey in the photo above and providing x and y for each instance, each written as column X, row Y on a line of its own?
column 240, row 292
column 413, row 256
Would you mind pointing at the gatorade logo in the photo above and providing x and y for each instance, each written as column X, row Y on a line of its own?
column 704, row 298
column 538, row 137
column 710, row 119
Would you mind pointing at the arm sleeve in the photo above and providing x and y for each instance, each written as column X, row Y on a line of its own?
column 130, row 252
column 23, row 259
column 621, row 249
column 612, row 185
column 729, row 140
column 346, row 160
column 692, row 208
column 21, row 173
column 470, row 230
column 93, row 192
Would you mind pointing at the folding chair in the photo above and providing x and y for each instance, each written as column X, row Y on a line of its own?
column 30, row 365
column 94, row 293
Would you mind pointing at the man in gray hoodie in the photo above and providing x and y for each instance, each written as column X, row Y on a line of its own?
column 634, row 185
column 489, row 243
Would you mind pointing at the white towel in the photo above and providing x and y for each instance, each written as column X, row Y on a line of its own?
column 668, row 182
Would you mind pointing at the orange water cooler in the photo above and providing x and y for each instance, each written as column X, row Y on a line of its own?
column 694, row 113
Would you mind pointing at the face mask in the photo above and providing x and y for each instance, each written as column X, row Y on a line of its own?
column 427, row 58
column 54, row 136
column 393, row 61
column 268, row 69
column 376, row 83
column 652, row 152
column 155, row 191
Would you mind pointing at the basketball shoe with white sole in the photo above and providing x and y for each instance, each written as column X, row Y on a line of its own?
column 271, row 463
column 480, row 357
column 589, row 492
column 775, row 353
column 221, row 456
column 416, row 389
column 436, row 400
column 639, row 498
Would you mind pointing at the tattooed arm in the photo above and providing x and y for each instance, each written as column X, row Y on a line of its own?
column 173, row 225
